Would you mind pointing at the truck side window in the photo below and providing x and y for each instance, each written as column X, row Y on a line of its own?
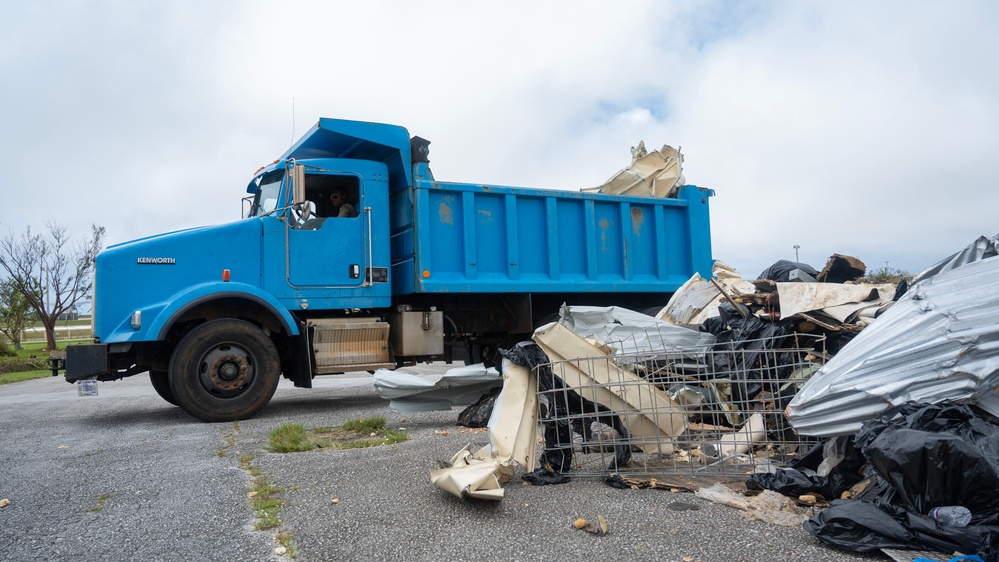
column 334, row 196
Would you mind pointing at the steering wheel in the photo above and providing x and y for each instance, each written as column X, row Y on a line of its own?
column 302, row 212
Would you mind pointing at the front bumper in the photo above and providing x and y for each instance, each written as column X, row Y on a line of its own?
column 86, row 361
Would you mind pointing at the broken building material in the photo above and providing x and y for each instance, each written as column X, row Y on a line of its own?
column 840, row 269
column 651, row 174
column 839, row 303
column 650, row 416
column 715, row 389
column 939, row 342
column 698, row 299
column 737, row 443
column 981, row 248
column 512, row 434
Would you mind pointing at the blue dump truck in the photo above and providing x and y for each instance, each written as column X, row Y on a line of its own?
column 352, row 257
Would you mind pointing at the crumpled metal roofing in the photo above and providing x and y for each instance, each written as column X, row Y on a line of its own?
column 939, row 342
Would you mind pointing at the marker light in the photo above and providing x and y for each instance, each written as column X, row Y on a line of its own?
column 137, row 319
column 426, row 274
column 225, row 274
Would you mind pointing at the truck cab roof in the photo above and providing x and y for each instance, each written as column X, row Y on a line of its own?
column 360, row 140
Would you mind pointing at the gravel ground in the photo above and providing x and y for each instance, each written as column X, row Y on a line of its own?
column 125, row 475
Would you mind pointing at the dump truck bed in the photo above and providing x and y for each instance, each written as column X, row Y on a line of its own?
column 469, row 238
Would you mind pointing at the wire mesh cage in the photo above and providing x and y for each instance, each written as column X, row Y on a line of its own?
column 703, row 413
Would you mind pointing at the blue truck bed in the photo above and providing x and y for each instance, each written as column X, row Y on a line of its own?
column 468, row 238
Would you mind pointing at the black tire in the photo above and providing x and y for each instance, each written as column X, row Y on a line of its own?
column 161, row 384
column 224, row 370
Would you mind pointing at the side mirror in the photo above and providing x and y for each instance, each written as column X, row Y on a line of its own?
column 298, row 184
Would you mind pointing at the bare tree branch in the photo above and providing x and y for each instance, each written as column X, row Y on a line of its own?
column 51, row 278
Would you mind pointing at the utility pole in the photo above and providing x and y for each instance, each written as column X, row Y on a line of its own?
column 796, row 252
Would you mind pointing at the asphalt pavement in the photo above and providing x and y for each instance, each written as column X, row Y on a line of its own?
column 125, row 475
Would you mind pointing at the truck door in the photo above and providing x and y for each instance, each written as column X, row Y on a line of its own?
column 327, row 249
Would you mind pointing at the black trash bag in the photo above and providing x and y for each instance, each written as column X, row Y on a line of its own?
column 564, row 402
column 477, row 414
column 864, row 526
column 936, row 455
column 800, row 478
column 739, row 351
column 921, row 456
column 784, row 271
column 859, row 526
column 544, row 477
column 791, row 483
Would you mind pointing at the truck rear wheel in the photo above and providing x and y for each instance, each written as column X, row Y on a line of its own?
column 161, row 383
column 224, row 370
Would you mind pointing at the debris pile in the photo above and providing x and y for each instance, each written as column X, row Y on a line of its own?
column 894, row 423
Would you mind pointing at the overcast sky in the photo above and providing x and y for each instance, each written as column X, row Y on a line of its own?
column 862, row 128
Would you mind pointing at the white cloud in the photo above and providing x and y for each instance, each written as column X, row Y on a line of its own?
column 865, row 129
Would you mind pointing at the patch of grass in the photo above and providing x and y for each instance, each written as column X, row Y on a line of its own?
column 266, row 507
column 290, row 438
column 101, row 500
column 353, row 434
column 23, row 376
column 365, row 425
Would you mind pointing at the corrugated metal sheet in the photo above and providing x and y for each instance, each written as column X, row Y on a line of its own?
column 939, row 342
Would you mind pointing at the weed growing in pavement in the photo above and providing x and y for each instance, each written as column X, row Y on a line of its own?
column 353, row 434
column 264, row 503
column 266, row 507
column 284, row 539
column 101, row 500
column 230, row 440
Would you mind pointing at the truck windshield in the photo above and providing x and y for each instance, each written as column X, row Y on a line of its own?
column 266, row 199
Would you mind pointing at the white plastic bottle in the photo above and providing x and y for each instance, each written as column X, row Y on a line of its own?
column 951, row 515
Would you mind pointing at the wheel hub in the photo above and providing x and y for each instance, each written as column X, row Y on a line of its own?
column 228, row 371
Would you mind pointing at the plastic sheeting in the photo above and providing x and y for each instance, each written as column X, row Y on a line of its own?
column 419, row 393
column 939, row 342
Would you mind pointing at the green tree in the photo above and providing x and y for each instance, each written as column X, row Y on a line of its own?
column 52, row 277
column 884, row 274
column 14, row 311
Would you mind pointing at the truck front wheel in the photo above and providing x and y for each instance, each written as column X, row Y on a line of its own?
column 224, row 370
